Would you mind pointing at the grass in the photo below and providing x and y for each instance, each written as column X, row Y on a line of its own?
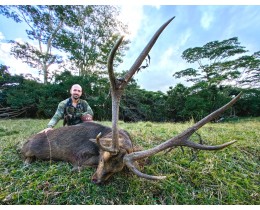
column 229, row 176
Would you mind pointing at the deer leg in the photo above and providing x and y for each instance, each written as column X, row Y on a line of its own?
column 92, row 161
column 87, row 162
column 28, row 160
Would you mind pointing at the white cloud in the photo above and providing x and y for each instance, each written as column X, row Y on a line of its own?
column 165, row 58
column 185, row 37
column 16, row 66
column 206, row 19
column 1, row 36
column 132, row 16
column 156, row 6
column 181, row 42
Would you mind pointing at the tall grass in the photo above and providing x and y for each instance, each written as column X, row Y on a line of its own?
column 229, row 176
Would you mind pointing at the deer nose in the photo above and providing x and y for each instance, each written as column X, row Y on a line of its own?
column 95, row 181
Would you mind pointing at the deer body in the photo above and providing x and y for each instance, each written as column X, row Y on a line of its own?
column 75, row 144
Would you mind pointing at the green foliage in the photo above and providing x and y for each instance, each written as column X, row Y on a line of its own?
column 226, row 177
column 176, row 102
column 7, row 79
column 10, row 87
column 218, row 63
column 142, row 105
column 93, row 33
column 249, row 104
column 28, row 91
column 5, row 10
column 197, row 101
column 85, row 33
column 251, row 67
column 43, row 22
column 180, row 103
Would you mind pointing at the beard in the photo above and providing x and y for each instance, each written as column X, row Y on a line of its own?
column 75, row 96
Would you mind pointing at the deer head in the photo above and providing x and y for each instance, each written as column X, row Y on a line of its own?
column 117, row 88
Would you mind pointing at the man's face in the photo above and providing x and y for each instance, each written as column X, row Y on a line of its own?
column 76, row 91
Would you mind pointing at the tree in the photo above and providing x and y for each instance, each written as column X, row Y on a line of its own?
column 4, row 74
column 86, row 33
column 94, row 30
column 176, row 99
column 7, row 80
column 217, row 62
column 44, row 22
column 251, row 69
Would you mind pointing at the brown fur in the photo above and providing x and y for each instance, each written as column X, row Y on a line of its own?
column 72, row 144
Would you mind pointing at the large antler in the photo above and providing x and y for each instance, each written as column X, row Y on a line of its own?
column 180, row 140
column 118, row 85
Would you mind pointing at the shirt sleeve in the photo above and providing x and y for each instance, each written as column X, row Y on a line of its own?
column 88, row 109
column 58, row 115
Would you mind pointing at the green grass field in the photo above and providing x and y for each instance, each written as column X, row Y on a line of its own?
column 228, row 176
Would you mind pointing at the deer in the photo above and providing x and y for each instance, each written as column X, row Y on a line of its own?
column 77, row 145
column 110, row 149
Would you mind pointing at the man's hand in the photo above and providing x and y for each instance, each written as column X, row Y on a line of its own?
column 86, row 117
column 46, row 130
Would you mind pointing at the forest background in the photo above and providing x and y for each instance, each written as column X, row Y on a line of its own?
column 219, row 70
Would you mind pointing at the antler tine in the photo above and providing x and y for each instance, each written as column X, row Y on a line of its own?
column 117, row 87
column 208, row 147
column 111, row 56
column 116, row 95
column 131, row 166
column 180, row 140
column 143, row 54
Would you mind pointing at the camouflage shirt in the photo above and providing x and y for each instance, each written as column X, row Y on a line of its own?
column 82, row 108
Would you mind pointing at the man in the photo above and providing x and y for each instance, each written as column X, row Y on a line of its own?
column 74, row 110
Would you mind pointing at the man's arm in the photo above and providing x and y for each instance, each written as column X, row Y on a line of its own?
column 88, row 109
column 87, row 115
column 58, row 115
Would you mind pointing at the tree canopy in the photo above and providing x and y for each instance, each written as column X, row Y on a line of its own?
column 218, row 63
column 83, row 33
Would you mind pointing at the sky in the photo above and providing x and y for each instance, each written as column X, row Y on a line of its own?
column 193, row 26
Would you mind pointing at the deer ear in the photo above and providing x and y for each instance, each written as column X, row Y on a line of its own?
column 107, row 142
column 93, row 140
column 104, row 141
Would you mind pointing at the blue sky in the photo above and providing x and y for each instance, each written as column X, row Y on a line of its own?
column 193, row 26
